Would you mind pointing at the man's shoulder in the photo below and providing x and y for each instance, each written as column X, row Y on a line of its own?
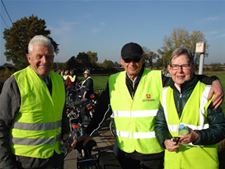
column 19, row 72
column 155, row 73
column 9, row 84
column 9, row 81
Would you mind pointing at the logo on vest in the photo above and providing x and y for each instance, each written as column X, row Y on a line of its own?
column 147, row 98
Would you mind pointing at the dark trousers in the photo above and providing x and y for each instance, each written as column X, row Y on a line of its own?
column 137, row 160
column 54, row 162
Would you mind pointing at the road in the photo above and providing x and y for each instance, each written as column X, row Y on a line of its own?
column 105, row 142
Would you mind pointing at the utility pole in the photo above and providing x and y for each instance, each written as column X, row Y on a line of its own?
column 200, row 49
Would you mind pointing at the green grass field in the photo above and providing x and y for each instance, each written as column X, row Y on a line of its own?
column 100, row 82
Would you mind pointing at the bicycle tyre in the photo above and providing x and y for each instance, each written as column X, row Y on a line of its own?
column 112, row 127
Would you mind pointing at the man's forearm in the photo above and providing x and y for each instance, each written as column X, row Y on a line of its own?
column 207, row 79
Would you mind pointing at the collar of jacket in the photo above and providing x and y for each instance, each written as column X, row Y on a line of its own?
column 132, row 87
column 187, row 85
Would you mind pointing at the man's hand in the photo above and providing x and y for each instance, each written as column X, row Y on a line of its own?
column 216, row 93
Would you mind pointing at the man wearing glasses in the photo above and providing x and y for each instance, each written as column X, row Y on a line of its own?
column 133, row 98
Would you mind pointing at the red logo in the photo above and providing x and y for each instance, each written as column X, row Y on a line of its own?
column 148, row 96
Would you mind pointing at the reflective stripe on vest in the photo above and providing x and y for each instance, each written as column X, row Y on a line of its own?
column 135, row 113
column 194, row 116
column 134, row 117
column 37, row 128
column 140, row 135
column 36, row 141
column 167, row 95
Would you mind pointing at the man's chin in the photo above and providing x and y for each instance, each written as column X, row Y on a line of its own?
column 43, row 73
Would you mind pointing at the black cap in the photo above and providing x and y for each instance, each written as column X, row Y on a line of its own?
column 132, row 51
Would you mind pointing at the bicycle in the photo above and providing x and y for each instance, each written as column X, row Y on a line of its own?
column 112, row 127
column 88, row 156
column 79, row 113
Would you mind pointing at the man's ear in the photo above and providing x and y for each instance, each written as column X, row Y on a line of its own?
column 169, row 68
column 121, row 61
column 28, row 57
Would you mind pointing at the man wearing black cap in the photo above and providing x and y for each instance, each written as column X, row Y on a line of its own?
column 133, row 96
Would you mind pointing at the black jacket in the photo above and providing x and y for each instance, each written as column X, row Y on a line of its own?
column 216, row 120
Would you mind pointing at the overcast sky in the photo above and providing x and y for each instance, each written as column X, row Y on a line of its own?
column 104, row 26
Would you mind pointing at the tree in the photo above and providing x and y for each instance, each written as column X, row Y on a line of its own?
column 18, row 36
column 150, row 56
column 83, row 59
column 107, row 64
column 92, row 57
column 178, row 38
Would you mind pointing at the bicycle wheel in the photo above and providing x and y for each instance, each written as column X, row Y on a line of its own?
column 112, row 127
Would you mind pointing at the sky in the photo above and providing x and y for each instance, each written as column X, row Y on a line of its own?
column 104, row 26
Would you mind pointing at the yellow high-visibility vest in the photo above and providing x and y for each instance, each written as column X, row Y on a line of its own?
column 134, row 118
column 193, row 116
column 37, row 128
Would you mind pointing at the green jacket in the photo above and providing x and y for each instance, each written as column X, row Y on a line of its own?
column 215, row 117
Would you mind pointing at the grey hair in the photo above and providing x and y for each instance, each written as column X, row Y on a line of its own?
column 182, row 51
column 40, row 40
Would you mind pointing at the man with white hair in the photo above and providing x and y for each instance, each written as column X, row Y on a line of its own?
column 31, row 112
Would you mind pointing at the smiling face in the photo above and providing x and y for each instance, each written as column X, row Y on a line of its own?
column 132, row 67
column 41, row 59
column 180, row 69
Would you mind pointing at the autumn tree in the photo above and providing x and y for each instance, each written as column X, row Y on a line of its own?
column 178, row 38
column 150, row 56
column 18, row 36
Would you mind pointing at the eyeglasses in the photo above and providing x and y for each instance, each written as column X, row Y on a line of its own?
column 183, row 66
column 136, row 60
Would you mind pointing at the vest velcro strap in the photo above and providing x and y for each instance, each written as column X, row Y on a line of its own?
column 37, row 126
column 35, row 141
column 135, row 134
column 136, row 113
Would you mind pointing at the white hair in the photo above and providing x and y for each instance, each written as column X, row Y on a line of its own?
column 39, row 40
